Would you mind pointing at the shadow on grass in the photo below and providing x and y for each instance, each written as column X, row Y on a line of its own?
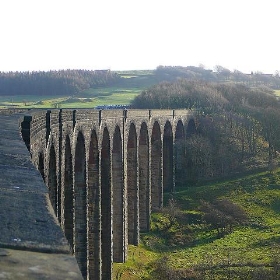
column 273, row 242
column 247, row 182
column 159, row 243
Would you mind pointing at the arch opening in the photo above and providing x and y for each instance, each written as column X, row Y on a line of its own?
column 144, row 192
column 132, row 187
column 168, row 178
column 80, row 215
column 156, row 168
column 118, row 198
column 68, row 194
column 106, row 207
column 179, row 154
column 191, row 128
column 93, row 209
column 52, row 181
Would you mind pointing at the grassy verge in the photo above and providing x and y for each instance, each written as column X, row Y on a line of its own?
column 181, row 245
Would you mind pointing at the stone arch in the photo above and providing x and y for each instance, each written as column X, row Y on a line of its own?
column 41, row 167
column 106, row 207
column 93, row 209
column 68, row 194
column 52, row 180
column 168, row 182
column 156, row 167
column 179, row 154
column 144, row 191
column 80, row 215
column 118, row 197
column 132, row 187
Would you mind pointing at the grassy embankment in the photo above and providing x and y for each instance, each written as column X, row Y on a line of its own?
column 191, row 248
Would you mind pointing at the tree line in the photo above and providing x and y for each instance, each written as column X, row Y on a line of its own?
column 219, row 74
column 237, row 126
column 53, row 83
column 74, row 82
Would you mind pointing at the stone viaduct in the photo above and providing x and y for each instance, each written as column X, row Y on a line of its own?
column 106, row 171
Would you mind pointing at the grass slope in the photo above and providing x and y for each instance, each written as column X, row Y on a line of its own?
column 192, row 249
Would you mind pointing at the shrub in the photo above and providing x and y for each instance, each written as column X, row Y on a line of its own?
column 165, row 272
column 223, row 214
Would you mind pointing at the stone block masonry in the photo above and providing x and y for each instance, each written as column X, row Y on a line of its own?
column 105, row 172
column 32, row 244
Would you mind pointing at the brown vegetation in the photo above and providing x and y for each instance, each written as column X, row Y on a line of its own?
column 237, row 126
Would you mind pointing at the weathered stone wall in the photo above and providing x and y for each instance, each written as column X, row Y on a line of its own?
column 29, row 230
column 106, row 172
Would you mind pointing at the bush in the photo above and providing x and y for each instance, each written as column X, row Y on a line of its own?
column 223, row 214
column 164, row 272
column 172, row 225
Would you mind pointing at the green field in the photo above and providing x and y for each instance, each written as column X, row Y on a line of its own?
column 87, row 99
column 132, row 84
column 277, row 92
column 192, row 249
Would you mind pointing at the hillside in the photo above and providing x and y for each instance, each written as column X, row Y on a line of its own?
column 191, row 241
column 87, row 89
column 223, row 220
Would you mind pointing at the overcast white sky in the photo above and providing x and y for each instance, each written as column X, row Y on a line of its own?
column 139, row 34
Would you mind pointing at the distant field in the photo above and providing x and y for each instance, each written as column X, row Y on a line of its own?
column 90, row 102
column 88, row 99
column 132, row 84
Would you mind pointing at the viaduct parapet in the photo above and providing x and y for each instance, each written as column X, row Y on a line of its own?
column 32, row 243
column 106, row 171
